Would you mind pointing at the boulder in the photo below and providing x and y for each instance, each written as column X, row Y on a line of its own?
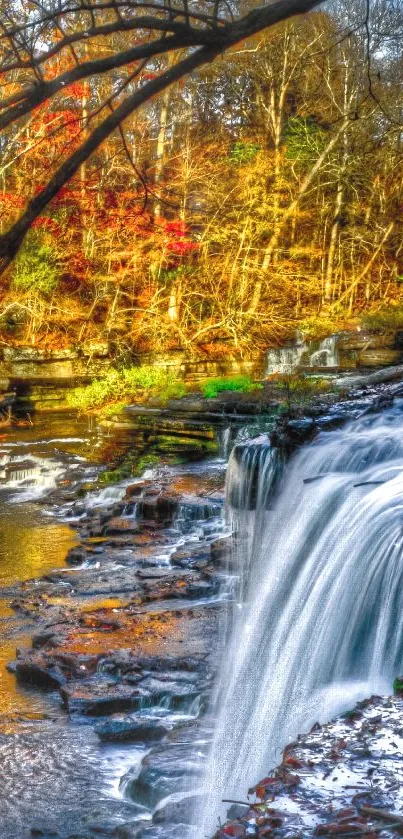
column 131, row 729
column 99, row 697
column 32, row 673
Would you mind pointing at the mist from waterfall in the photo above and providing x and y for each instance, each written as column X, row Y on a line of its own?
column 320, row 615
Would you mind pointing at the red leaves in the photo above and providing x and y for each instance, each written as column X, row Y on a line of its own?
column 78, row 90
column 233, row 830
column 181, row 248
column 263, row 787
column 177, row 227
column 10, row 200
column 46, row 223
column 178, row 242
column 293, row 761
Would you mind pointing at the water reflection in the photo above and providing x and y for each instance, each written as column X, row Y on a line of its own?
column 30, row 545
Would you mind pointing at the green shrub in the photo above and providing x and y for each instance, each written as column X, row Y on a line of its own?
column 243, row 152
column 241, row 384
column 317, row 327
column 117, row 387
column 297, row 390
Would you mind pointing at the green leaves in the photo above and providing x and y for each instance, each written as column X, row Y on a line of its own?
column 304, row 139
column 242, row 384
column 243, row 152
column 126, row 384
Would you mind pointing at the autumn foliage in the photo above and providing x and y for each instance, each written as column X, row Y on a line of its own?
column 262, row 194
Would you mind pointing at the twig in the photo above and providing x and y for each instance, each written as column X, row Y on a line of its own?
column 233, row 801
column 377, row 813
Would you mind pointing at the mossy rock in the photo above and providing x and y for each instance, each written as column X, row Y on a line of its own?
column 398, row 686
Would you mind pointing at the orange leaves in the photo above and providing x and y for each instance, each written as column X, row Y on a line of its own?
column 11, row 201
column 78, row 90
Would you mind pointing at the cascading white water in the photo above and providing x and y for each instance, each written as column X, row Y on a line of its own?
column 321, row 619
column 286, row 360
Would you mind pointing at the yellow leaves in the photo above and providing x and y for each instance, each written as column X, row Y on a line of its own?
column 305, row 252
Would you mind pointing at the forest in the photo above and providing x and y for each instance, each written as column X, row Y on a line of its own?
column 260, row 194
column 201, row 419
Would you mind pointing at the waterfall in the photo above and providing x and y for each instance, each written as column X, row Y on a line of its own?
column 320, row 621
column 327, row 354
column 286, row 360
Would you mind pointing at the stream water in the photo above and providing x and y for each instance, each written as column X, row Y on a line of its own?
column 48, row 768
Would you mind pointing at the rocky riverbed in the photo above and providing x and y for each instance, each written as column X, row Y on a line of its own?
column 125, row 647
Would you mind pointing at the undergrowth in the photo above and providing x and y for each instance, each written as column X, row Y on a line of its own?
column 298, row 391
column 240, row 384
column 117, row 387
column 387, row 317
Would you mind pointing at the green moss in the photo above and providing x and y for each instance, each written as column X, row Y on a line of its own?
column 398, row 686
column 240, row 384
column 132, row 466
column 146, row 461
column 36, row 267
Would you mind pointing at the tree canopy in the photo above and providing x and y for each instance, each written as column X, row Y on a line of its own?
column 47, row 47
column 261, row 189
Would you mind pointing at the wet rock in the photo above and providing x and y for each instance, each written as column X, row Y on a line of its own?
column 76, row 556
column 168, row 769
column 129, row 831
column 33, row 673
column 135, row 490
column 220, row 550
column 160, row 507
column 177, row 810
column 174, row 689
column 51, row 670
column 237, row 810
column 133, row 730
column 191, row 555
column 119, row 525
column 176, row 831
column 46, row 638
column 203, row 588
column 333, row 420
column 98, row 697
column 92, row 580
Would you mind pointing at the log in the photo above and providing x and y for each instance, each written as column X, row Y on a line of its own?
column 386, row 374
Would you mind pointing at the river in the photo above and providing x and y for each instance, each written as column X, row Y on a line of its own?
column 51, row 771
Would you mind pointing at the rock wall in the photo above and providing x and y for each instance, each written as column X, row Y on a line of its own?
column 342, row 351
column 35, row 379
column 40, row 379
